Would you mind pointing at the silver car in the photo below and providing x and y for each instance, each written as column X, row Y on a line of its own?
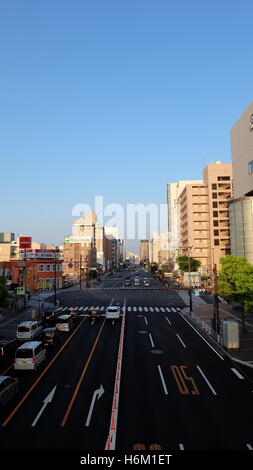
column 8, row 388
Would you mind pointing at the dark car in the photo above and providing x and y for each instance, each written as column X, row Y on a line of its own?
column 49, row 317
column 127, row 283
column 50, row 336
column 8, row 387
column 7, row 349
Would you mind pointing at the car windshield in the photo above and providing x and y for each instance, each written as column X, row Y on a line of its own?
column 112, row 309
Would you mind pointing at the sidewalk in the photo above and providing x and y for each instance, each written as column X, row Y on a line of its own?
column 245, row 352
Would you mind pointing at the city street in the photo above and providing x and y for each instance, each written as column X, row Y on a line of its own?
column 147, row 381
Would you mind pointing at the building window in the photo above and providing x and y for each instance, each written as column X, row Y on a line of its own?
column 250, row 167
column 215, row 204
column 216, row 223
column 41, row 268
column 216, row 241
column 214, row 195
column 48, row 267
column 215, row 213
column 216, row 233
column 214, row 186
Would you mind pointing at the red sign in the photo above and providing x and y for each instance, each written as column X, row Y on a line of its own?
column 25, row 242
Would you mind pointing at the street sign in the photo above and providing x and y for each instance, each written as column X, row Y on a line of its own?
column 70, row 265
column 20, row 291
column 76, row 265
column 25, row 242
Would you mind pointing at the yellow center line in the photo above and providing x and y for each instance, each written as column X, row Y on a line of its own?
column 81, row 378
column 40, row 377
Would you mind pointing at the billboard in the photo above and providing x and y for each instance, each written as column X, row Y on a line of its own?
column 25, row 242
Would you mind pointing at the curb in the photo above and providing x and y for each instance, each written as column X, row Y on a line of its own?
column 186, row 310
column 244, row 363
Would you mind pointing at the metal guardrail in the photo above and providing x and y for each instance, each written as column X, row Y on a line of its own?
column 207, row 328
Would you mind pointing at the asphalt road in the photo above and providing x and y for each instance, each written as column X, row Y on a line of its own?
column 147, row 381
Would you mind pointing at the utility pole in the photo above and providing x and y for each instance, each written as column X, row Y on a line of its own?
column 24, row 279
column 55, row 301
column 80, row 274
column 190, row 287
column 216, row 320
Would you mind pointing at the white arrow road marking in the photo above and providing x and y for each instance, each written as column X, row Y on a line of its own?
column 47, row 400
column 96, row 395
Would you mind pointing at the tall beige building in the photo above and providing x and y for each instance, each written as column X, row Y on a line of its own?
column 241, row 208
column 144, row 251
column 204, row 218
column 173, row 192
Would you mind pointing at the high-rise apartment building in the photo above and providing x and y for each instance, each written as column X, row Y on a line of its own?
column 204, row 218
column 241, row 208
column 144, row 251
column 173, row 192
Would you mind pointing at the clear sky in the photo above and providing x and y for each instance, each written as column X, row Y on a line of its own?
column 114, row 98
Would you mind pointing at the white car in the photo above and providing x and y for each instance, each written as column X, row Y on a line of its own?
column 112, row 312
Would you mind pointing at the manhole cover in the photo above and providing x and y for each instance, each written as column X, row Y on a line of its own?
column 156, row 351
column 139, row 316
column 142, row 332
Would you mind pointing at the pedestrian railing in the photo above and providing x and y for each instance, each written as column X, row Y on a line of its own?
column 207, row 328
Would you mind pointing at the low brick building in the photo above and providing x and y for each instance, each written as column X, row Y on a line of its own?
column 42, row 269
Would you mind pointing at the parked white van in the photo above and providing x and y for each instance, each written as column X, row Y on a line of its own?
column 28, row 330
column 29, row 355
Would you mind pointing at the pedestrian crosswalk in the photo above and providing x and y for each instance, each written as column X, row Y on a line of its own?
column 131, row 308
column 127, row 288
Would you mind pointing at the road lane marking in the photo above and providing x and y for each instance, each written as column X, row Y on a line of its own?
column 181, row 378
column 96, row 395
column 249, row 446
column 181, row 446
column 207, row 381
column 151, row 340
column 210, row 346
column 81, row 378
column 146, row 309
column 166, row 318
column 146, row 321
column 47, row 400
column 111, row 439
column 157, row 309
column 129, row 309
column 180, row 339
column 40, row 376
column 163, row 381
column 237, row 373
column 162, row 309
column 168, row 309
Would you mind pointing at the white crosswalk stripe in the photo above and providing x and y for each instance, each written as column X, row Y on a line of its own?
column 132, row 308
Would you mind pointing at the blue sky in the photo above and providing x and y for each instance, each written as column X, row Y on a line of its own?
column 114, row 98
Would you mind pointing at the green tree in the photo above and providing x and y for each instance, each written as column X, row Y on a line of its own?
column 152, row 267
column 235, row 281
column 183, row 263
column 4, row 293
